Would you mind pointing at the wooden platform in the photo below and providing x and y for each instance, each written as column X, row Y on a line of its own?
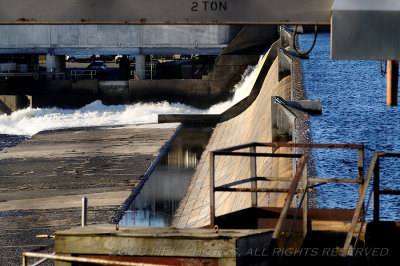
column 169, row 246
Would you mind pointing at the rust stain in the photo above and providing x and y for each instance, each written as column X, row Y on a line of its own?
column 26, row 20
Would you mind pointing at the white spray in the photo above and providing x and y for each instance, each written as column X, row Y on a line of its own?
column 31, row 121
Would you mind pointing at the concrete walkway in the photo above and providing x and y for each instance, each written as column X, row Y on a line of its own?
column 44, row 179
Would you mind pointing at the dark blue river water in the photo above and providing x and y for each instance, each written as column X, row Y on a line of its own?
column 353, row 97
column 10, row 140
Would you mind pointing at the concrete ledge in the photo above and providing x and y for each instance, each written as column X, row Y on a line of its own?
column 189, row 119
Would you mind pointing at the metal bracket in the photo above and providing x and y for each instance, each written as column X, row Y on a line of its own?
column 284, row 114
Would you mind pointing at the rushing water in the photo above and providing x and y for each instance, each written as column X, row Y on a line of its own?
column 159, row 198
column 353, row 95
column 30, row 121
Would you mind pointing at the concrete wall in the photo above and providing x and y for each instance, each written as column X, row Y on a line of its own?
column 113, row 39
column 169, row 87
column 11, row 103
column 252, row 125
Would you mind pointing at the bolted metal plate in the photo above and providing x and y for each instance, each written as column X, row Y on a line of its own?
column 365, row 29
column 165, row 12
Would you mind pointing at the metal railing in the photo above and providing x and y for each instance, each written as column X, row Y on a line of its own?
column 66, row 258
column 83, row 74
column 373, row 171
column 301, row 172
column 20, row 70
column 147, row 73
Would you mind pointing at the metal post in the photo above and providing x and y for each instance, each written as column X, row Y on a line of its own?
column 212, row 206
column 24, row 260
column 392, row 80
column 360, row 171
column 305, row 201
column 84, row 211
column 151, row 68
column 253, row 174
column 376, row 192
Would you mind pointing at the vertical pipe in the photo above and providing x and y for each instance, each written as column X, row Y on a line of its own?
column 84, row 211
column 212, row 206
column 376, row 191
column 305, row 201
column 360, row 172
column 392, row 80
column 253, row 174
column 24, row 260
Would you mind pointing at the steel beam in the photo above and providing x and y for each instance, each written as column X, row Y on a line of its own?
column 276, row 12
column 365, row 29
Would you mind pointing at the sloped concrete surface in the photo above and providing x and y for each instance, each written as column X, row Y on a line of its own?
column 252, row 125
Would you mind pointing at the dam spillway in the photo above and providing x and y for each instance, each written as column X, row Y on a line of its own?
column 253, row 125
column 201, row 213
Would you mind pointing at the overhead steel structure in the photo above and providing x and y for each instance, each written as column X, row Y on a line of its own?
column 360, row 29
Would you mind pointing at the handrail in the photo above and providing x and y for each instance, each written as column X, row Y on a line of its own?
column 233, row 151
column 44, row 257
column 147, row 73
column 373, row 170
column 253, row 180
column 290, row 195
column 75, row 74
column 27, row 254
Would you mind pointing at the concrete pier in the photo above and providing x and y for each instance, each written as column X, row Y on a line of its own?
column 140, row 66
column 55, row 64
column 44, row 179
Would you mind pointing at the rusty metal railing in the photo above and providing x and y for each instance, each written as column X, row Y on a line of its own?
column 301, row 171
column 66, row 258
column 373, row 171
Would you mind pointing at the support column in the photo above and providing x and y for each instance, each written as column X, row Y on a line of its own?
column 392, row 79
column 140, row 66
column 55, row 66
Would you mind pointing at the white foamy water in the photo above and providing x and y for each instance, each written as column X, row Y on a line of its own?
column 31, row 121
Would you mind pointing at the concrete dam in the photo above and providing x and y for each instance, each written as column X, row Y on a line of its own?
column 252, row 125
column 260, row 146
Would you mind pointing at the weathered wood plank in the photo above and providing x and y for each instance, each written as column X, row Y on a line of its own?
column 144, row 241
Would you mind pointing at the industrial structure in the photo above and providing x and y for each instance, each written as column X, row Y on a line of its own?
column 256, row 147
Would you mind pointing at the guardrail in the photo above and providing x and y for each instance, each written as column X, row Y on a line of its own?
column 147, row 73
column 83, row 74
column 44, row 257
column 373, row 171
column 300, row 174
column 8, row 70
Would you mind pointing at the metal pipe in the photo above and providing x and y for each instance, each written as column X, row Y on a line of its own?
column 305, row 201
column 83, row 259
column 289, row 197
column 253, row 173
column 392, row 82
column 376, row 191
column 360, row 204
column 253, row 190
column 84, row 211
column 212, row 206
column 298, row 145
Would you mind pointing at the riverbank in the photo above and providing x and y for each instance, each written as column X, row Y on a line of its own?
column 44, row 178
